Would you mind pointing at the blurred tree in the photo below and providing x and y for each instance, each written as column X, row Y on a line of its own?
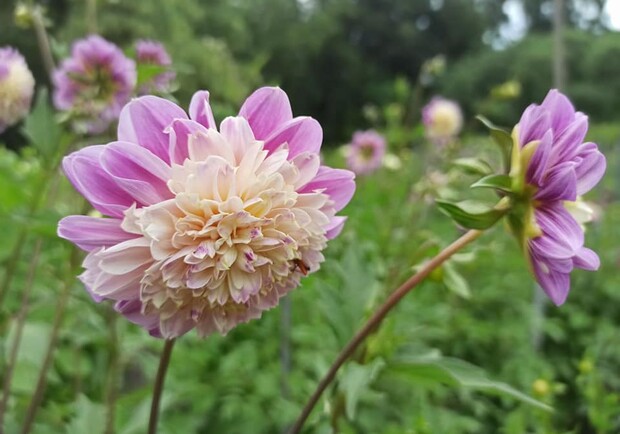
column 584, row 14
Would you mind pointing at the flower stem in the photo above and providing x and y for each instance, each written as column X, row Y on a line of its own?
column 20, row 322
column 158, row 387
column 113, row 370
column 376, row 319
column 37, row 396
column 38, row 22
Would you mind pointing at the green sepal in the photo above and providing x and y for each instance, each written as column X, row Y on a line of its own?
column 497, row 182
column 473, row 166
column 501, row 137
column 471, row 214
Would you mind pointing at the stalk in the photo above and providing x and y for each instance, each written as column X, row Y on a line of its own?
column 158, row 387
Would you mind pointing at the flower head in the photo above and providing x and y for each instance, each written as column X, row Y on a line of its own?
column 443, row 120
column 205, row 228
column 16, row 87
column 94, row 83
column 551, row 168
column 154, row 53
column 366, row 151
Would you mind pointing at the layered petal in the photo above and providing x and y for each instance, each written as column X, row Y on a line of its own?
column 200, row 110
column 266, row 110
column 91, row 233
column 302, row 134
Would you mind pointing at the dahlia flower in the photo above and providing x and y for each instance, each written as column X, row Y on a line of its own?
column 551, row 169
column 366, row 151
column 442, row 119
column 154, row 53
column 205, row 228
column 16, row 87
column 94, row 84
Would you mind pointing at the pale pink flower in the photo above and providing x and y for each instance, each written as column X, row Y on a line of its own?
column 205, row 229
column 154, row 53
column 442, row 119
column 16, row 87
column 366, row 151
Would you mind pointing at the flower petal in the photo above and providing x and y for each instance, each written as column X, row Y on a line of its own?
column 88, row 177
column 566, row 144
column 335, row 227
column 559, row 184
column 90, row 233
column 537, row 167
column 561, row 110
column 132, row 310
column 266, row 110
column 534, row 123
column 590, row 168
column 555, row 284
column 587, row 259
column 200, row 110
column 137, row 171
column 144, row 121
column 238, row 134
column 562, row 236
column 338, row 184
column 303, row 134
column 180, row 131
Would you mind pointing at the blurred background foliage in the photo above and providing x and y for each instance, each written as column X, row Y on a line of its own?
column 443, row 362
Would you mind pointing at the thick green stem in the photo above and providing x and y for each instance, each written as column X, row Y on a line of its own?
column 374, row 321
column 158, row 387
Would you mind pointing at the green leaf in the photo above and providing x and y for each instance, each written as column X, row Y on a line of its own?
column 42, row 128
column 501, row 137
column 471, row 214
column 454, row 281
column 147, row 72
column 356, row 380
column 433, row 368
column 89, row 417
column 497, row 182
column 473, row 166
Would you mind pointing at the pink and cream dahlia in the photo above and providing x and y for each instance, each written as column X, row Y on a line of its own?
column 204, row 228
column 16, row 87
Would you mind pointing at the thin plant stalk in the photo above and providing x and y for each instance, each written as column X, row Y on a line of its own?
column 37, row 396
column 158, row 387
column 20, row 322
column 113, row 370
column 375, row 320
column 43, row 41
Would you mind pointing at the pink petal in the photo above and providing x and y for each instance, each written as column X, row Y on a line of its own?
column 338, row 184
column 144, row 120
column 591, row 166
column 180, row 131
column 238, row 134
column 534, row 123
column 132, row 310
column 84, row 170
column 555, row 284
column 200, row 109
column 137, row 171
column 567, row 143
column 266, row 110
column 335, row 227
column 303, row 134
column 560, row 183
column 537, row 166
column 90, row 233
column 561, row 110
column 587, row 259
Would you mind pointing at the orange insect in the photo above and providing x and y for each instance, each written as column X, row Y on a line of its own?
column 301, row 265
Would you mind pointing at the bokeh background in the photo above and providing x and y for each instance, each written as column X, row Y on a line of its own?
column 452, row 357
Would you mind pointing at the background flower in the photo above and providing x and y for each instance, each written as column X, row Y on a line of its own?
column 16, row 87
column 154, row 53
column 366, row 151
column 442, row 119
column 552, row 168
column 205, row 228
column 94, row 83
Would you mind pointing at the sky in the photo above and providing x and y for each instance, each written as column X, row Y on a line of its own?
column 516, row 28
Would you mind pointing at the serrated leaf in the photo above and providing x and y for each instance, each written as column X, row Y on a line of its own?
column 434, row 368
column 42, row 128
column 454, row 281
column 497, row 182
column 501, row 137
column 355, row 380
column 471, row 214
column 473, row 166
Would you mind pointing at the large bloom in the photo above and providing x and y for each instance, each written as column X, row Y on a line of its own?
column 16, row 87
column 94, row 84
column 443, row 120
column 154, row 53
column 206, row 229
column 551, row 169
column 366, row 151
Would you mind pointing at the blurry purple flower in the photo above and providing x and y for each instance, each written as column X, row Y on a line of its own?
column 94, row 84
column 366, row 151
column 154, row 53
column 443, row 120
column 552, row 168
column 16, row 87
column 205, row 229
